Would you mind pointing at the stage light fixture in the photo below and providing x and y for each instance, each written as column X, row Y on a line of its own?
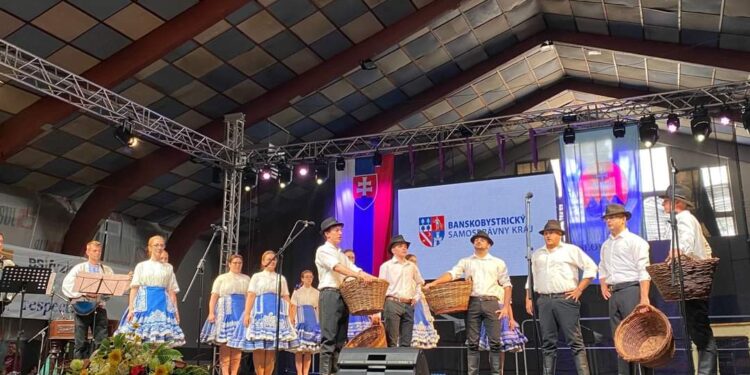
column 340, row 163
column 700, row 124
column 303, row 170
column 286, row 175
column 265, row 172
column 746, row 117
column 725, row 115
column 377, row 158
column 618, row 129
column 247, row 188
column 569, row 118
column 569, row 135
column 465, row 132
column 648, row 130
column 673, row 122
column 125, row 136
column 367, row 64
column 547, row 45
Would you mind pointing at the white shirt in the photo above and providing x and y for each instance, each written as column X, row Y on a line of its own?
column 69, row 282
column 557, row 271
column 690, row 233
column 154, row 273
column 489, row 275
column 403, row 278
column 306, row 297
column 326, row 257
column 230, row 283
column 266, row 282
column 624, row 259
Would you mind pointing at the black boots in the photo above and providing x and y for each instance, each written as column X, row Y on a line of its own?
column 706, row 362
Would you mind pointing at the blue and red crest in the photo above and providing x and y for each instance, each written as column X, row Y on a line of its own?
column 364, row 190
column 432, row 230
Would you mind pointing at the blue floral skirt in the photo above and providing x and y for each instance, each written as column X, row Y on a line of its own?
column 424, row 335
column 228, row 313
column 512, row 340
column 308, row 329
column 261, row 334
column 357, row 324
column 154, row 318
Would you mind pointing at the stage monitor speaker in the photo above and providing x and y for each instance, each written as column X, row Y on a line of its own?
column 396, row 361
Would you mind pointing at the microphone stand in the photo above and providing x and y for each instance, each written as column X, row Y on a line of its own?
column 676, row 266
column 199, row 270
column 279, row 266
column 534, row 317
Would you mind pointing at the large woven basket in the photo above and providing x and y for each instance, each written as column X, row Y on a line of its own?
column 645, row 336
column 372, row 337
column 449, row 297
column 699, row 277
column 364, row 298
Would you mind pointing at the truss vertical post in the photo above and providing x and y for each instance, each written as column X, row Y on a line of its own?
column 230, row 221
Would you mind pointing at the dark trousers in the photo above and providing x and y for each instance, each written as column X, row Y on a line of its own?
column 334, row 321
column 556, row 313
column 625, row 297
column 696, row 312
column 97, row 322
column 399, row 323
column 482, row 311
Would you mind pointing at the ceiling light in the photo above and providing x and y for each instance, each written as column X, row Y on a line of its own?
column 247, row 187
column 367, row 64
column 648, row 131
column 725, row 115
column 546, row 46
column 593, row 52
column 618, row 129
column 700, row 124
column 673, row 122
column 265, row 172
column 303, row 170
column 569, row 135
column 125, row 136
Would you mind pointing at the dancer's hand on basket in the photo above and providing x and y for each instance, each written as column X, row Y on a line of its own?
column 366, row 277
column 211, row 317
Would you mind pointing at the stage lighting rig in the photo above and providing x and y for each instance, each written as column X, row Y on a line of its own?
column 648, row 130
column 700, row 124
column 618, row 129
column 340, row 163
column 673, row 123
column 569, row 135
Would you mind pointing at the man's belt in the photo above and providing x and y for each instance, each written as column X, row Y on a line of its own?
column 485, row 298
column 407, row 301
column 329, row 288
column 553, row 295
column 620, row 286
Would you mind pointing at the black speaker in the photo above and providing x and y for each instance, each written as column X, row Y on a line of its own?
column 364, row 361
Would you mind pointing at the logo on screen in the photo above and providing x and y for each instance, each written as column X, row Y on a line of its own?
column 432, row 230
column 364, row 190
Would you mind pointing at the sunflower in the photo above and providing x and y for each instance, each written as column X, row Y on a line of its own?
column 115, row 356
column 161, row 370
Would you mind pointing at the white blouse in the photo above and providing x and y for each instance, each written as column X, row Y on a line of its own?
column 154, row 273
column 306, row 296
column 266, row 282
column 230, row 283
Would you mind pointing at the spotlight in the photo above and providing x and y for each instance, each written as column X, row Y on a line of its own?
column 569, row 118
column 673, row 122
column 648, row 131
column 247, row 187
column 367, row 64
column 700, row 124
column 321, row 173
column 303, row 169
column 377, row 158
column 265, row 172
column 340, row 163
column 286, row 175
column 249, row 179
column 725, row 115
column 282, row 184
column 546, row 46
column 746, row 117
column 569, row 135
column 125, row 136
column 618, row 129
column 465, row 132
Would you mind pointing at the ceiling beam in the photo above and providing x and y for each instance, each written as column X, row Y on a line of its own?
column 120, row 185
column 22, row 128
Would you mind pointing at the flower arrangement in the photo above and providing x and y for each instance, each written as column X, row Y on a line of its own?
column 127, row 354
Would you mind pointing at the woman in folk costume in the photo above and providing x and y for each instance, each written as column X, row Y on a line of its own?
column 511, row 337
column 357, row 323
column 304, row 313
column 152, row 311
column 424, row 335
column 258, row 331
column 225, row 311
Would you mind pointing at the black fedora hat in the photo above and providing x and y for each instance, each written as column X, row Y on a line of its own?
column 483, row 234
column 397, row 240
column 552, row 225
column 681, row 192
column 328, row 223
column 616, row 209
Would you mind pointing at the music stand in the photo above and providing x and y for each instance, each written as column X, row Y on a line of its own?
column 23, row 280
column 100, row 284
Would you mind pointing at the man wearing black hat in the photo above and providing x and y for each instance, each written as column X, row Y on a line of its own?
column 333, row 266
column 490, row 279
column 623, row 278
column 692, row 243
column 403, row 279
column 555, row 269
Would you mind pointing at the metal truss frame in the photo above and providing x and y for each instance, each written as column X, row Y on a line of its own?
column 42, row 76
column 589, row 115
column 230, row 220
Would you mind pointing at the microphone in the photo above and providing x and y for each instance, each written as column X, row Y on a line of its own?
column 307, row 222
column 529, row 195
column 218, row 228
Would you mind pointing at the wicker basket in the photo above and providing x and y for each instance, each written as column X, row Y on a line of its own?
column 364, row 298
column 449, row 297
column 699, row 277
column 373, row 337
column 645, row 336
